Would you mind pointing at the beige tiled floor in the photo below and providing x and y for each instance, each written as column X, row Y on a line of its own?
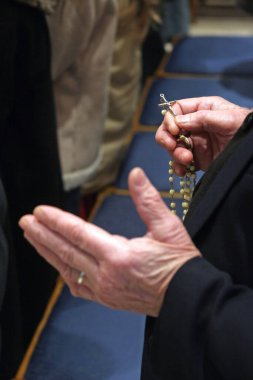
column 222, row 26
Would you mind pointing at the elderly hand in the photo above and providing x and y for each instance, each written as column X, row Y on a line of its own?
column 131, row 274
column 211, row 122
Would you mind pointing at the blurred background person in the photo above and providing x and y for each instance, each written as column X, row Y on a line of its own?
column 134, row 20
column 97, row 69
column 175, row 19
column 82, row 38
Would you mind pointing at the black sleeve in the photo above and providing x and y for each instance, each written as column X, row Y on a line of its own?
column 205, row 328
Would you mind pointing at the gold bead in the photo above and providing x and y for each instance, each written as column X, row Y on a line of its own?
column 163, row 112
column 187, row 183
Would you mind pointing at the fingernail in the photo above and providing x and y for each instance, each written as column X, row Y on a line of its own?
column 38, row 211
column 139, row 177
column 23, row 222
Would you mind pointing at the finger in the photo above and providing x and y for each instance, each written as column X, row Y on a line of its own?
column 191, row 105
column 57, row 250
column 165, row 139
column 50, row 257
column 215, row 121
column 150, row 206
column 170, row 124
column 68, row 274
column 88, row 237
column 180, row 170
column 179, row 154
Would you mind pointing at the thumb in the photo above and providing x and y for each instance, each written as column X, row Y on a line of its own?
column 155, row 214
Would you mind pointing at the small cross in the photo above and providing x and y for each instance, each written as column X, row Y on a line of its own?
column 166, row 105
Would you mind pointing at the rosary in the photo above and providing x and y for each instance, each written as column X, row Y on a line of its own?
column 188, row 181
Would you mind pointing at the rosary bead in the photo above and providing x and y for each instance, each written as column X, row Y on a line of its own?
column 187, row 182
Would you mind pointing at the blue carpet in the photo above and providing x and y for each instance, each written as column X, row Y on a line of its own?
column 83, row 340
column 228, row 55
column 152, row 158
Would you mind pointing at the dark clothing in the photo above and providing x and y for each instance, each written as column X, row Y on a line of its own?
column 205, row 328
column 29, row 161
column 3, row 254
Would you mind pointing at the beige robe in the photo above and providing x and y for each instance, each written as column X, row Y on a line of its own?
column 82, row 36
column 123, row 96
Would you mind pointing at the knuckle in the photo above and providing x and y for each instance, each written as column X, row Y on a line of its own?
column 151, row 197
column 66, row 255
column 40, row 235
column 76, row 233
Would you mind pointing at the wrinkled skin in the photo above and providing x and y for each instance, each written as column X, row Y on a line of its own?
column 130, row 274
column 211, row 122
column 134, row 274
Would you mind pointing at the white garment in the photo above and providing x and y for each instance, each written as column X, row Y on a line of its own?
column 82, row 36
column 123, row 96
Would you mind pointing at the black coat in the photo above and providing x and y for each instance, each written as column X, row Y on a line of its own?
column 3, row 252
column 29, row 166
column 205, row 328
